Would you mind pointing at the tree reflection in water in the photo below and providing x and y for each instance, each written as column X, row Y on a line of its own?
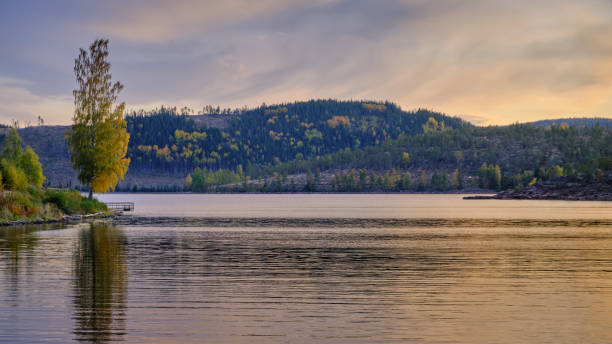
column 17, row 244
column 100, row 280
column 15, row 240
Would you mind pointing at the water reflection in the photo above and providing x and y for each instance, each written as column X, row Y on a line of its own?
column 16, row 244
column 353, row 285
column 14, row 240
column 269, row 278
column 100, row 282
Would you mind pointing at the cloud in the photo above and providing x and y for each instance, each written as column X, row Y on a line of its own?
column 496, row 61
column 157, row 22
column 18, row 103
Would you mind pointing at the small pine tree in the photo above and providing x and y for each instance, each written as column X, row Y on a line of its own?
column 423, row 181
column 12, row 148
column 405, row 181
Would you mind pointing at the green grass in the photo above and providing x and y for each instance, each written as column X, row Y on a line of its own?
column 36, row 203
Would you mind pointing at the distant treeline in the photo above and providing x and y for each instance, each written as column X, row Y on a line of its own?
column 579, row 122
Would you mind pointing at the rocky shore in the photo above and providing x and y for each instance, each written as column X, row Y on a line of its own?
column 63, row 219
column 557, row 191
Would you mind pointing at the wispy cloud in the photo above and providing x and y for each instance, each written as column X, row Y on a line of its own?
column 161, row 22
column 19, row 103
column 498, row 61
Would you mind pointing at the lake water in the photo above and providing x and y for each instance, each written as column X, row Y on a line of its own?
column 491, row 271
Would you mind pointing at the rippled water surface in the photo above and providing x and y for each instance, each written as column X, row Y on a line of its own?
column 491, row 276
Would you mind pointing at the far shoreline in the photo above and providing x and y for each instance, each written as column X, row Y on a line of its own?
column 471, row 195
column 454, row 192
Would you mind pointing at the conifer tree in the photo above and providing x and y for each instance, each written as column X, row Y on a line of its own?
column 12, row 145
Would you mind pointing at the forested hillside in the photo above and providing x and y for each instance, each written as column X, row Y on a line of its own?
column 328, row 145
column 166, row 141
column 487, row 157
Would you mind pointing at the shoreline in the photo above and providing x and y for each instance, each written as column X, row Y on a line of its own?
column 64, row 219
column 450, row 192
column 599, row 192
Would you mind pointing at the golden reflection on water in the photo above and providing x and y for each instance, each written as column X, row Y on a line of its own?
column 522, row 285
column 100, row 283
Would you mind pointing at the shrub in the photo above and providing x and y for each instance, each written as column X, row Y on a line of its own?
column 17, row 204
column 72, row 202
column 28, row 162
column 67, row 201
column 14, row 177
column 92, row 205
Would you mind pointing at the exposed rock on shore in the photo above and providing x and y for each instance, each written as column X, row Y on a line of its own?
column 557, row 191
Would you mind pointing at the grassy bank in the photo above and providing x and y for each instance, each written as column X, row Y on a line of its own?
column 22, row 197
column 45, row 204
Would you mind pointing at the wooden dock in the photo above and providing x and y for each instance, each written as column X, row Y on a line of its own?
column 120, row 206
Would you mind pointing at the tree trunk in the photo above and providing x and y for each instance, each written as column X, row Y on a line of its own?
column 90, row 192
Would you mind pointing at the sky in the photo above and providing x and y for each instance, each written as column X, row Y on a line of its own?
column 487, row 61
